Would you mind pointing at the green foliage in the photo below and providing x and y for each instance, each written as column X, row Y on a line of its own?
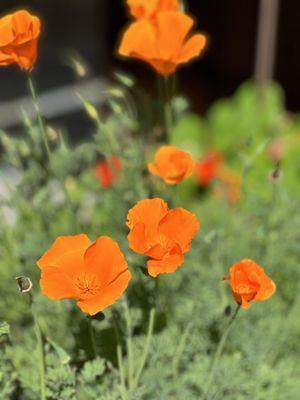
column 62, row 196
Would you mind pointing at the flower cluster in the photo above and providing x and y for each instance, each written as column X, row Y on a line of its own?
column 96, row 273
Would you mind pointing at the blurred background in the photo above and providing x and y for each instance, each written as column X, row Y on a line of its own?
column 90, row 29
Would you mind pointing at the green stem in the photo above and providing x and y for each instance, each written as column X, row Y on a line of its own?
column 39, row 337
column 168, row 117
column 219, row 351
column 39, row 115
column 146, row 348
column 129, row 344
column 180, row 350
column 121, row 371
column 92, row 337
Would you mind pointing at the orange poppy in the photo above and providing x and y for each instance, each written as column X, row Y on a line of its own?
column 108, row 171
column 172, row 164
column 95, row 274
column 206, row 169
column 249, row 282
column 150, row 8
column 19, row 34
column 165, row 43
column 163, row 235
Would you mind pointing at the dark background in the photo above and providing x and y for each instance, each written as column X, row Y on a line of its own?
column 92, row 27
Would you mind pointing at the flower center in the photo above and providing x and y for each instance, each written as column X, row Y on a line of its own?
column 244, row 289
column 87, row 285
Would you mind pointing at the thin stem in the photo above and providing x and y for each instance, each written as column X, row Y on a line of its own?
column 129, row 344
column 146, row 348
column 39, row 115
column 39, row 336
column 180, row 350
column 92, row 337
column 121, row 372
column 219, row 352
column 167, row 107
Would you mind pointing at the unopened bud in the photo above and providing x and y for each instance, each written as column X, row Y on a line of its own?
column 24, row 283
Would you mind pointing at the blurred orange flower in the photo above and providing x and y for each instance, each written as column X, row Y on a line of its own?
column 149, row 8
column 206, row 170
column 249, row 282
column 164, row 43
column 108, row 171
column 19, row 34
column 163, row 235
column 172, row 164
column 95, row 274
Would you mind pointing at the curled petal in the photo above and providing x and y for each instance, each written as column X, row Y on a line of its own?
column 192, row 48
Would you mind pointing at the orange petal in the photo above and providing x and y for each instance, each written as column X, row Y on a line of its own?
column 139, row 41
column 61, row 246
column 21, row 21
column 173, row 28
column 192, row 48
column 137, row 239
column 108, row 295
column 105, row 259
column 26, row 54
column 152, row 169
column 56, row 284
column 168, row 264
column 141, row 8
column 149, row 212
column 7, row 34
column 181, row 226
column 267, row 290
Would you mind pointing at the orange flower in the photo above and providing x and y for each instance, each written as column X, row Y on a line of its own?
column 206, row 170
column 249, row 282
column 165, row 43
column 19, row 34
column 95, row 274
column 150, row 8
column 231, row 184
column 163, row 235
column 172, row 164
column 108, row 171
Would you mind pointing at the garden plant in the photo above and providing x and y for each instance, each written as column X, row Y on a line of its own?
column 158, row 259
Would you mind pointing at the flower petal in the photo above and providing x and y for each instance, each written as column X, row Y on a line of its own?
column 172, row 29
column 108, row 295
column 61, row 246
column 139, row 41
column 181, row 226
column 56, row 284
column 192, row 48
column 105, row 259
column 168, row 264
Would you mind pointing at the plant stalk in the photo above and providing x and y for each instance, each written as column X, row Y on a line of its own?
column 219, row 352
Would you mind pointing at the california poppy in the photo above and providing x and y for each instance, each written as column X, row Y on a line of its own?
column 249, row 282
column 172, row 164
column 19, row 34
column 206, row 169
column 95, row 274
column 150, row 8
column 164, row 43
column 163, row 235
column 108, row 171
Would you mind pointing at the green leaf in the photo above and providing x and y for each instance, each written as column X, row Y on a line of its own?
column 62, row 354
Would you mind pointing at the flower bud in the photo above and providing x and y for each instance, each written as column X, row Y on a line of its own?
column 24, row 283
